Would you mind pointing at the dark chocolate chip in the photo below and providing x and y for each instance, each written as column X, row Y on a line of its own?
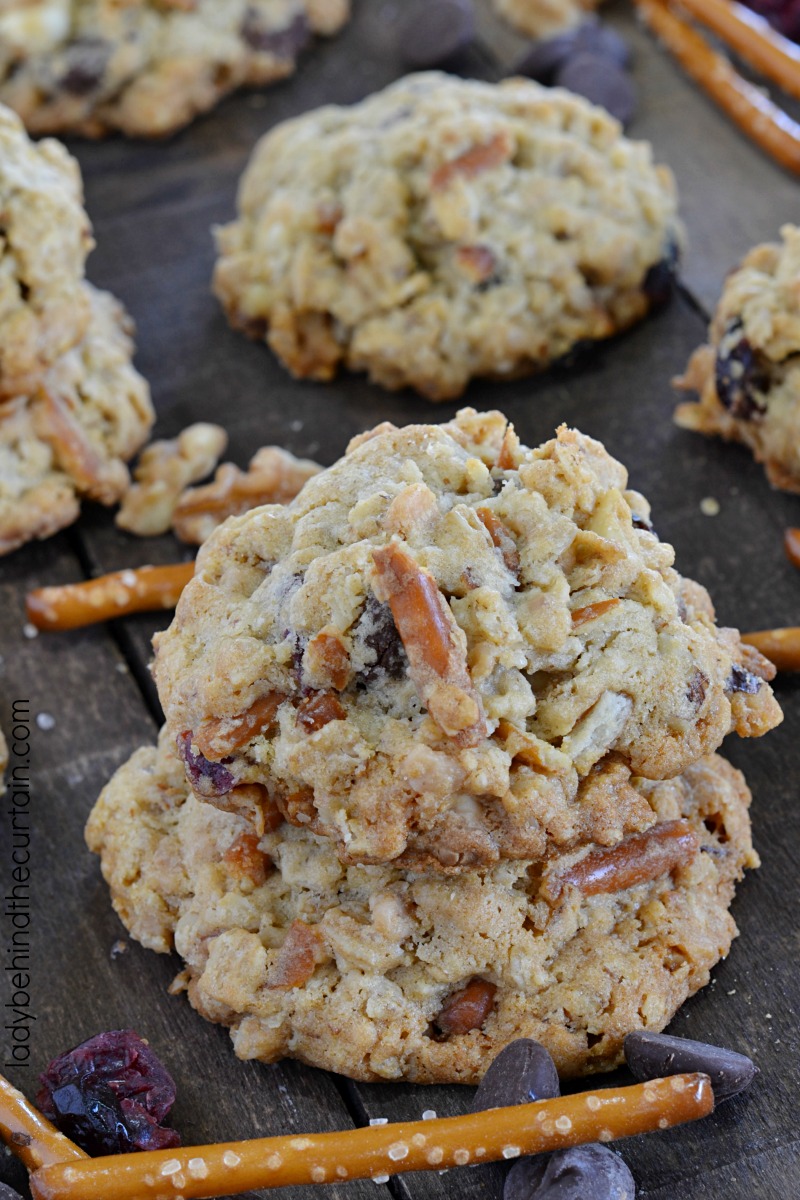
column 740, row 374
column 283, row 43
column 591, row 1172
column 659, row 282
column 520, row 1074
column 432, row 34
column 545, row 57
column 652, row 1055
column 603, row 82
column 377, row 631
column 85, row 62
column 594, row 37
column 742, row 680
column 207, row 778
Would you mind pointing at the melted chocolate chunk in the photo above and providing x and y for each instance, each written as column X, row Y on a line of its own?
column 742, row 680
column 207, row 778
column 741, row 376
column 377, row 630
column 283, row 43
column 696, row 691
column 85, row 59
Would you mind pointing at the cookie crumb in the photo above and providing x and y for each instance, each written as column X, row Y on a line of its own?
column 709, row 506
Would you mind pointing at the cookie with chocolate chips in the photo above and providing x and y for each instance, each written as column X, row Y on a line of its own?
column 445, row 229
column 146, row 67
column 386, row 973
column 450, row 650
column 747, row 376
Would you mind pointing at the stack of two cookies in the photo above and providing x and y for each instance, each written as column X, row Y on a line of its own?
column 72, row 407
column 438, row 769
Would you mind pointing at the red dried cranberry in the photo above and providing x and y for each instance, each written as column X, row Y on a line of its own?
column 207, row 778
column 740, row 374
column 110, row 1095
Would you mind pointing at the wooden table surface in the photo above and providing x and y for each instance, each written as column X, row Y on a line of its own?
column 152, row 207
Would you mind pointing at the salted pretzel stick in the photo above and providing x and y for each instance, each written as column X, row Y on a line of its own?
column 753, row 39
column 74, row 605
column 791, row 544
column 381, row 1150
column 29, row 1135
column 755, row 114
column 780, row 646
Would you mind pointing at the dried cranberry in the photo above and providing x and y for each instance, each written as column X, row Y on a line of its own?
column 283, row 43
column 86, row 59
column 207, row 778
column 377, row 631
column 660, row 278
column 740, row 374
column 110, row 1095
column 742, row 680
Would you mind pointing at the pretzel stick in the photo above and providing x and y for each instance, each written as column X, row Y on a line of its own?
column 791, row 545
column 638, row 858
column 29, row 1135
column 753, row 39
column 117, row 595
column 780, row 646
column 234, row 1167
column 755, row 114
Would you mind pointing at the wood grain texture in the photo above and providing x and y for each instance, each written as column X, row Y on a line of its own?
column 152, row 208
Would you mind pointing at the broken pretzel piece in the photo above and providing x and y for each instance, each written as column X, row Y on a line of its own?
column 501, row 539
column 780, row 646
column 433, row 642
column 75, row 605
column 274, row 477
column 467, row 1009
column 203, row 1172
column 217, row 737
column 303, row 948
column 164, row 469
column 101, row 479
column 639, row 858
column 791, row 544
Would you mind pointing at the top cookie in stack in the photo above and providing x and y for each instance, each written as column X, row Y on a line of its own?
column 449, row 650
column 72, row 407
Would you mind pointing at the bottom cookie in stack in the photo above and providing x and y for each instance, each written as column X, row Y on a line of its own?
column 383, row 973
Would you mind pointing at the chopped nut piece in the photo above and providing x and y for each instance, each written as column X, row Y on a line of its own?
column 472, row 162
column 467, row 1009
column 501, row 538
column 636, row 859
column 273, row 477
column 433, row 642
column 297, row 958
column 218, row 737
column 319, row 709
column 164, row 470
column 592, row 611
column 327, row 660
column 244, row 859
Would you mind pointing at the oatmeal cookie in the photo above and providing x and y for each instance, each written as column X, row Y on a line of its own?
column 71, row 436
column 542, row 18
column 44, row 239
column 445, row 229
column 146, row 67
column 450, row 649
column 748, row 375
column 383, row 973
